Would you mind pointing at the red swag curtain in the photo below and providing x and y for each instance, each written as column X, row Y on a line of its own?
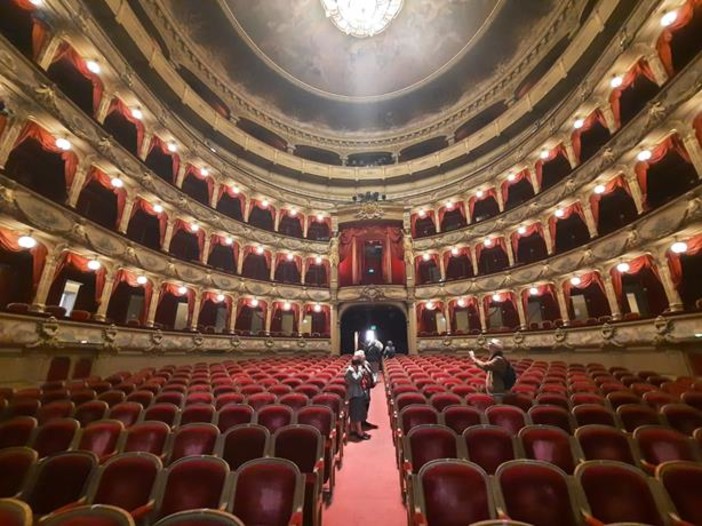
column 353, row 236
column 576, row 137
column 456, row 206
column 39, row 29
column 172, row 289
column 552, row 154
column 130, row 278
column 694, row 246
column 591, row 278
column 277, row 316
column 611, row 186
column 10, row 242
column 283, row 258
column 211, row 296
column 147, row 208
column 487, row 194
column 195, row 172
column 248, row 250
column 670, row 143
column 640, row 68
column 226, row 189
column 156, row 142
column 471, row 303
column 541, row 290
column 185, row 227
column 48, row 143
column 66, row 51
column 106, row 181
column 315, row 318
column 311, row 262
column 497, row 242
column 685, row 13
column 575, row 208
column 523, row 174
column 426, row 318
column 119, row 106
column 430, row 215
column 447, row 255
column 80, row 263
column 635, row 266
column 534, row 228
column 504, row 298
column 221, row 240
column 284, row 212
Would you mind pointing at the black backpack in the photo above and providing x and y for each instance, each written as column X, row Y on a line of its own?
column 509, row 378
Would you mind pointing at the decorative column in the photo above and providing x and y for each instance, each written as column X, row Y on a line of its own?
column 247, row 210
column 589, row 218
column 635, row 189
column 205, row 256
column 13, row 128
column 660, row 75
column 466, row 210
column 269, row 317
column 276, row 219
column 611, row 295
column 180, row 176
column 534, row 181
column 520, row 310
column 412, row 328
column 606, row 109
column 437, row 223
column 305, row 225
column 546, row 233
column 300, row 319
column 46, row 280
column 231, row 318
column 447, row 317
column 78, row 181
column 442, row 267
column 509, row 250
column 675, row 303
column 570, row 152
column 334, row 329
column 168, row 236
column 303, row 271
column 107, row 289
column 101, row 112
column 694, row 150
column 126, row 214
column 500, row 199
column 155, row 297
column 145, row 145
column 274, row 263
column 46, row 54
column 562, row 304
column 481, row 313
column 215, row 193
column 196, row 310
column 240, row 262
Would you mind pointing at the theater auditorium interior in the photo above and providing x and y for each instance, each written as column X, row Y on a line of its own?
column 207, row 206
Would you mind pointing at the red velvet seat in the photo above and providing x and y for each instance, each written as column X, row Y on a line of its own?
column 323, row 419
column 451, row 493
column 15, row 463
column 423, row 444
column 167, row 413
column 14, row 512
column 200, row 518
column 632, row 416
column 112, row 397
column 280, row 389
column 459, row 418
column 661, row 444
column 128, row 413
column 488, row 446
column 55, row 410
column 550, row 444
column 193, row 439
column 273, row 417
column 441, row 400
column 248, row 390
column 294, row 400
column 598, row 442
column 58, row 480
column 197, row 413
column 682, row 481
column 170, row 397
column 91, row 411
column 17, row 431
column 462, row 390
column 82, row 396
column 657, row 399
column 553, row 399
column 259, row 400
column 403, row 400
column 228, row 398
column 692, row 398
column 55, row 436
column 308, row 389
column 146, row 437
column 682, row 417
column 589, row 414
column 268, row 491
column 552, row 416
column 54, row 395
column 535, row 492
column 199, row 398
column 415, row 415
column 101, row 438
column 520, row 400
column 142, row 397
column 242, row 443
column 509, row 417
column 618, row 398
column 577, row 399
column 336, row 404
column 97, row 515
column 304, row 446
column 192, row 483
column 480, row 400
column 619, row 493
column 233, row 414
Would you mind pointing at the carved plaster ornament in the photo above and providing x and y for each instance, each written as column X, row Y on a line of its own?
column 48, row 332
column 446, row 342
column 301, row 343
column 198, row 340
column 155, row 343
column 370, row 210
column 588, row 256
column 109, row 339
column 656, row 113
column 46, row 95
column 372, row 293
column 632, row 239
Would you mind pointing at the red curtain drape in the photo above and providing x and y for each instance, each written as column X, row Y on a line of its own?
column 248, row 250
column 487, row 194
column 211, row 296
column 391, row 237
column 156, row 142
column 218, row 239
column 670, row 143
column 172, row 289
column 574, row 208
column 510, row 317
column 39, row 28
column 185, row 227
column 48, row 143
column 497, row 242
column 541, row 290
column 552, row 154
column 426, row 318
column 284, row 212
column 635, row 266
column 80, row 263
column 533, row 228
column 130, row 278
column 587, row 279
column 106, row 181
column 462, row 251
column 576, row 137
column 684, row 15
column 429, row 214
column 611, row 186
column 323, row 315
column 10, row 242
column 694, row 246
column 195, row 172
column 297, row 260
column 67, row 52
column 523, row 174
column 226, row 189
column 277, row 316
column 119, row 106
column 456, row 206
column 640, row 68
column 146, row 207
column 471, row 302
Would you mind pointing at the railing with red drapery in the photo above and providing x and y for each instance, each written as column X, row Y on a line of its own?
column 554, row 152
column 249, row 249
column 104, row 180
column 636, row 265
column 48, row 143
column 534, row 228
column 119, row 106
column 211, row 296
column 349, row 267
column 181, row 225
column 246, row 310
column 541, row 290
column 173, row 290
column 611, row 186
column 424, row 325
column 694, row 247
column 39, row 28
column 218, row 239
column 284, row 212
column 317, row 326
column 501, row 300
column 470, row 302
column 10, row 242
column 586, row 280
column 420, row 262
column 67, row 52
column 670, row 143
column 325, row 220
column 80, row 263
column 234, row 194
column 684, row 15
column 640, row 68
column 283, row 258
column 130, row 278
column 197, row 174
column 576, row 137
column 522, row 174
column 146, row 207
column 487, row 194
column 456, row 206
column 448, row 254
column 157, row 142
column 258, row 203
column 497, row 242
column 312, row 262
column 277, row 316
column 574, row 208
column 428, row 214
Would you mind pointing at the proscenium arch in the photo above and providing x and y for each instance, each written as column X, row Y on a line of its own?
column 390, row 319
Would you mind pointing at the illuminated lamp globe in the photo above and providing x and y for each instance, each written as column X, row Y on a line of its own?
column 93, row 66
column 487, row 242
column 454, row 251
column 182, row 290
column 254, row 302
column 158, row 208
column 643, row 155
column 293, row 212
column 63, row 144
column 172, row 147
column 578, row 123
column 286, row 305
column 669, row 18
column 259, row 250
column 117, row 182
column 449, row 205
column 575, row 281
column 204, row 172
column 27, row 242
column 194, row 227
column 496, row 297
column 559, row 212
column 220, row 298
column 318, row 308
column 289, row 256
column 544, row 154
column 235, row 189
column 461, row 302
column 36, row 2
column 521, row 230
column 479, row 194
column 264, row 203
column 511, row 177
column 533, row 291
column 137, row 113
column 600, row 189
column 426, row 257
column 679, row 247
column 361, row 18
column 616, row 81
column 430, row 305
column 228, row 241
column 623, row 267
column 320, row 218
column 94, row 264
column 422, row 213
column 318, row 260
column 142, row 280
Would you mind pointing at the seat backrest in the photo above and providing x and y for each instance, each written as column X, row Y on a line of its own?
column 200, row 518
column 242, row 443
column 101, row 437
column 299, row 443
column 228, row 398
column 170, row 397
column 192, row 483
column 260, row 400
column 551, row 416
column 58, row 480
column 535, row 492
column 276, row 481
column 660, row 444
column 233, row 414
column 406, row 399
column 550, row 444
column 273, row 417
column 319, row 416
column 17, row 431
column 618, row 492
column 15, row 463
column 146, row 437
column 682, row 417
column 415, row 415
column 294, row 400
column 55, row 436
column 127, row 412
column 162, row 412
column 125, row 480
column 461, row 417
column 682, row 481
column 428, row 442
column 14, row 512
column 197, row 413
column 193, row 439
column 454, row 492
column 634, row 415
column 480, row 400
column 488, row 446
column 510, row 417
column 55, row 410
column 91, row 411
column 587, row 414
column 98, row 515
column 598, row 442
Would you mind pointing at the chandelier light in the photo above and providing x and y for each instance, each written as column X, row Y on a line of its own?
column 616, row 81
column 449, row 205
column 533, row 291
column 117, row 182
column 318, row 308
column 63, row 144
column 575, row 281
column 623, row 267
column 559, row 212
column 286, row 305
column 521, row 230
column 579, row 123
column 158, row 208
column 194, row 227
column 496, row 298
column 234, row 189
column 643, row 155
column 669, row 18
column 511, row 177
column 422, row 213
column 461, row 303
column 254, row 302
column 600, row 189
column 679, row 247
column 361, row 18
column 182, row 290
column 220, row 298
column 454, row 251
column 293, row 212
column 137, row 113
column 320, row 218
column 544, row 154
column 290, row 256
column 204, row 172
column 430, row 305
column 228, row 241
column 479, row 194
column 426, row 256
column 94, row 264
column 172, row 147
column 93, row 66
column 259, row 250
column 142, row 280
column 264, row 203
column 318, row 260
column 487, row 242
column 29, row 242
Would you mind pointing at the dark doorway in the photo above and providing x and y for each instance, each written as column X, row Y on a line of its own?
column 390, row 324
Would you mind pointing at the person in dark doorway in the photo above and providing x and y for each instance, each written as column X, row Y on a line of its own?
column 496, row 367
column 374, row 355
column 389, row 351
column 357, row 379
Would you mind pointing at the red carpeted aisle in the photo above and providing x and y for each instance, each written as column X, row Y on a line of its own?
column 367, row 491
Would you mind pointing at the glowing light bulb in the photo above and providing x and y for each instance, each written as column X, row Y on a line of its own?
column 511, row 177
column 254, row 302
column 575, row 281
column 600, row 189
column 616, row 81
column 318, row 308
column 286, row 305
column 204, row 172
column 454, row 251
column 63, row 144
column 228, row 240
column 461, row 303
column 669, row 18
column 194, row 227
column 259, row 250
column 578, row 123
column 623, row 267
column 27, row 242
column 172, row 147
column 293, row 212
column 487, row 242
column 679, row 247
column 137, row 113
column 430, row 305
column 318, row 260
column 544, row 154
column 496, row 297
column 643, row 155
column 449, row 205
column 220, row 298
column 320, row 218
column 117, row 182
column 533, row 291
column 422, row 213
column 142, row 280
column 264, row 203
column 182, row 290
column 521, row 230
column 36, row 2
column 93, row 66
column 480, row 194
column 426, row 257
column 234, row 189
column 290, row 256
column 559, row 212
column 158, row 208
column 94, row 264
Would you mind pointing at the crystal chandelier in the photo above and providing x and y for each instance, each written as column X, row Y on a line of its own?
column 362, row 18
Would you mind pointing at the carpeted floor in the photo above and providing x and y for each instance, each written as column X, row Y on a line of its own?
column 367, row 491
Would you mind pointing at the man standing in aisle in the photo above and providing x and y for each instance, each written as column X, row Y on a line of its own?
column 496, row 367
column 368, row 384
